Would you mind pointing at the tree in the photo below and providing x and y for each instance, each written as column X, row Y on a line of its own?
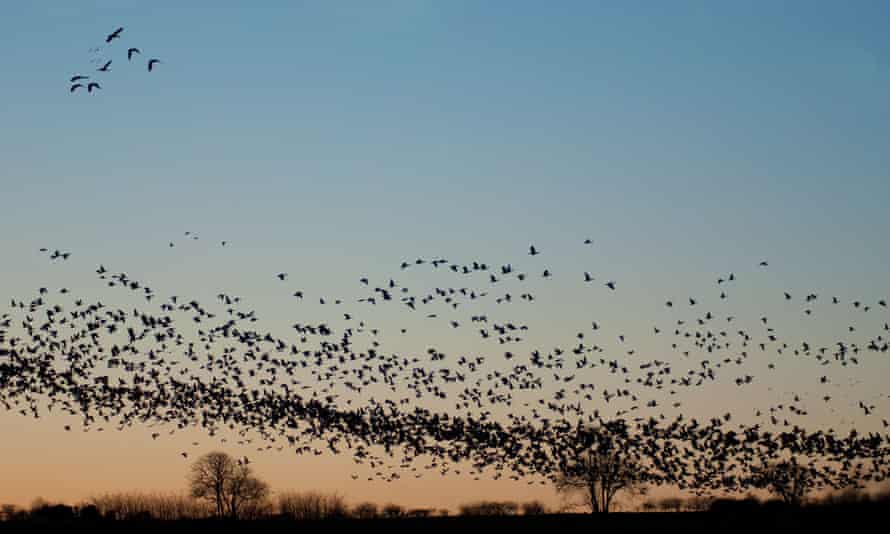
column 226, row 483
column 599, row 473
column 208, row 479
column 244, row 490
column 786, row 479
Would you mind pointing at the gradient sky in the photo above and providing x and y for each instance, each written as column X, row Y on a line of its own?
column 336, row 139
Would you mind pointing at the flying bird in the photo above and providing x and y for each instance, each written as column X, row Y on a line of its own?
column 78, row 77
column 151, row 63
column 75, row 87
column 104, row 68
column 93, row 85
column 132, row 51
column 114, row 35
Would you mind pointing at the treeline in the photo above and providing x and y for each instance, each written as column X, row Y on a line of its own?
column 317, row 506
column 845, row 498
column 298, row 506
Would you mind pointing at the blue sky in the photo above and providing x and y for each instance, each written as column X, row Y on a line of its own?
column 698, row 134
column 335, row 139
column 628, row 118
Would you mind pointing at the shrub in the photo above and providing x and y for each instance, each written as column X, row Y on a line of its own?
column 489, row 508
column 312, row 505
column 393, row 510
column 365, row 510
column 533, row 508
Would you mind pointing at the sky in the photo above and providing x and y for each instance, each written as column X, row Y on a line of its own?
column 332, row 140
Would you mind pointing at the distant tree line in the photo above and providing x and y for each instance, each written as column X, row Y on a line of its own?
column 316, row 506
column 223, row 487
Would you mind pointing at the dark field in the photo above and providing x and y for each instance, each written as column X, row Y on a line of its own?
column 873, row 518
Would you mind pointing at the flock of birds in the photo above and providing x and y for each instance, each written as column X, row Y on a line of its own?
column 84, row 82
column 174, row 362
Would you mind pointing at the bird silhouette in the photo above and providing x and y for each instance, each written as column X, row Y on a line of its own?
column 335, row 383
column 114, row 35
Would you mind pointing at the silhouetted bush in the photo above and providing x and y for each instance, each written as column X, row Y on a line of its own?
column 845, row 498
column 140, row 506
column 365, row 510
column 698, row 503
column 54, row 512
column 735, row 506
column 312, row 505
column 671, row 504
column 419, row 512
column 8, row 512
column 533, row 508
column 89, row 513
column 393, row 510
column 488, row 508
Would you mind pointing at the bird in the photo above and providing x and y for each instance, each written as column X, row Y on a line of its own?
column 131, row 51
column 75, row 87
column 251, row 387
column 78, row 77
column 151, row 63
column 105, row 67
column 611, row 285
column 93, row 85
column 532, row 251
column 281, row 276
column 114, row 35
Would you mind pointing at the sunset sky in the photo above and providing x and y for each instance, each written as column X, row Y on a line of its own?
column 333, row 140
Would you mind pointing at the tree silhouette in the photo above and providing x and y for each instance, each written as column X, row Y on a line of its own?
column 786, row 479
column 601, row 470
column 244, row 489
column 209, row 476
column 226, row 483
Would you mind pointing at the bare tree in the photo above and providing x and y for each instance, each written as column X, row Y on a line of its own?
column 599, row 474
column 226, row 483
column 786, row 479
column 209, row 476
column 243, row 490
